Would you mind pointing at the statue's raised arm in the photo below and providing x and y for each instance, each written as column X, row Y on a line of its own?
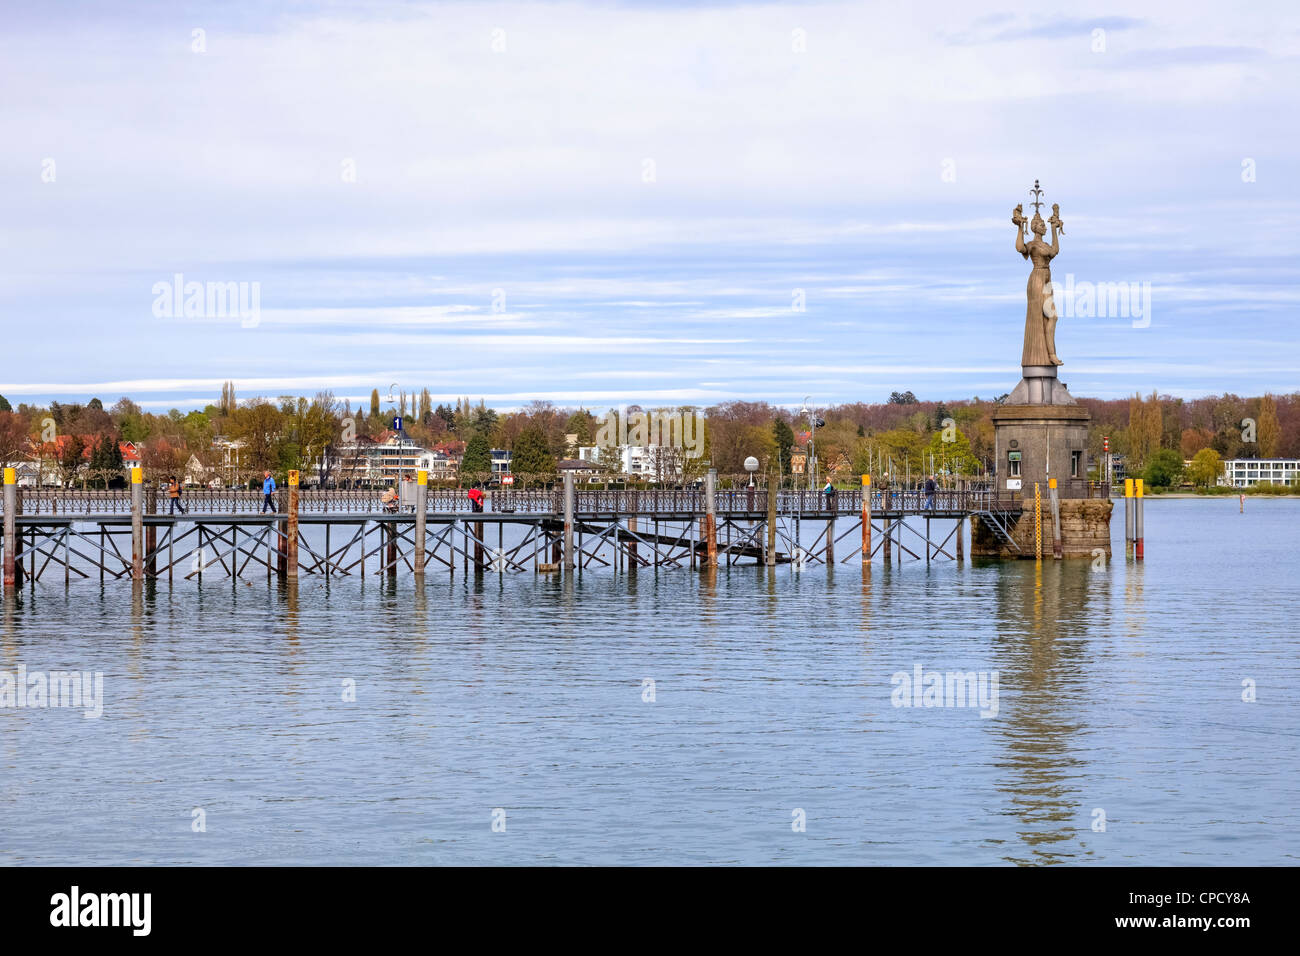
column 1057, row 226
column 1018, row 220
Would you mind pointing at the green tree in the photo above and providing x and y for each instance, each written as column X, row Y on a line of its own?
column 259, row 424
column 476, row 463
column 1164, row 468
column 902, row 447
column 1206, row 468
column 71, row 458
column 953, row 456
column 532, row 453
column 1145, row 426
column 374, row 403
column 1267, row 429
column 106, row 458
column 4, row 405
column 580, row 424
column 784, row 436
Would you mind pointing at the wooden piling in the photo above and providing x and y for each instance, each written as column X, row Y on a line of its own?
column 281, row 526
column 772, row 489
column 10, row 529
column 569, row 557
column 137, row 524
column 866, row 519
column 1057, row 552
column 421, row 518
column 291, row 529
column 711, row 518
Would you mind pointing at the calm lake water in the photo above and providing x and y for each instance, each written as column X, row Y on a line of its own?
column 1119, row 691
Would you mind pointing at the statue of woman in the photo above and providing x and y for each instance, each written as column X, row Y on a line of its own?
column 1040, row 314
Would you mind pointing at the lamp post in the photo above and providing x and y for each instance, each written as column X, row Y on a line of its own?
column 397, row 427
column 751, row 466
column 813, row 424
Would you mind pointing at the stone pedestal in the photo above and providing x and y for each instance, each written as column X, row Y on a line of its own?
column 1040, row 433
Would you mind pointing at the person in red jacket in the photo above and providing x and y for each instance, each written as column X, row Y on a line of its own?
column 476, row 499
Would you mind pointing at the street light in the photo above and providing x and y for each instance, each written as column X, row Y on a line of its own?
column 751, row 466
column 813, row 424
column 397, row 427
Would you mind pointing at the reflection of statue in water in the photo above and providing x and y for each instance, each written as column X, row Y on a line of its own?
column 1040, row 314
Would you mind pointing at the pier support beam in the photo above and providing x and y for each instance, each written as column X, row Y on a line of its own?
column 477, row 530
column 421, row 517
column 151, row 534
column 390, row 552
column 137, row 524
column 632, row 555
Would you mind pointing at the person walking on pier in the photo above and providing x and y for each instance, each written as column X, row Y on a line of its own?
column 476, row 499
column 829, row 492
column 884, row 491
column 174, row 493
column 268, row 489
column 930, row 489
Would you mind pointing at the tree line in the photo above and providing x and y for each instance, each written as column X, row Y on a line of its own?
column 1154, row 433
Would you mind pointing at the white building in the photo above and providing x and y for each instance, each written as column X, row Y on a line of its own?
column 1242, row 472
column 640, row 461
column 368, row 462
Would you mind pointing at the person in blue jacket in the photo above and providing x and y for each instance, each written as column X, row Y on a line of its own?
column 268, row 489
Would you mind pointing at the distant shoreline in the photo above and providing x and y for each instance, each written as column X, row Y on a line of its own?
column 1192, row 494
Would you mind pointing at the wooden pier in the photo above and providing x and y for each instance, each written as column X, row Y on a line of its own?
column 119, row 534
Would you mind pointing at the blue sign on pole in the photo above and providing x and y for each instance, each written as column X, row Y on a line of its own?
column 397, row 423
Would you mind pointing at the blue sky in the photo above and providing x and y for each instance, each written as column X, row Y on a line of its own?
column 500, row 154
